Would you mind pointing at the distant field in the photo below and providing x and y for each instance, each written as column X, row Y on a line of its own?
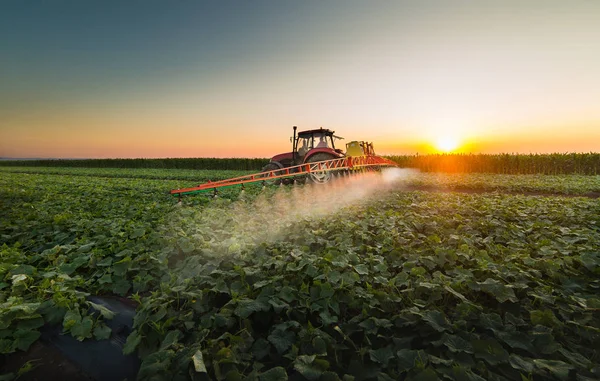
column 549, row 164
column 187, row 163
column 552, row 164
column 360, row 279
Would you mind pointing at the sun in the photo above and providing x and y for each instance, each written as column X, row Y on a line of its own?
column 446, row 143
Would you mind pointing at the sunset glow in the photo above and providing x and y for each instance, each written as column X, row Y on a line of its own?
column 117, row 79
column 446, row 144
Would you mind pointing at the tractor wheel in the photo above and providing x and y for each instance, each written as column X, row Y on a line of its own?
column 272, row 166
column 320, row 177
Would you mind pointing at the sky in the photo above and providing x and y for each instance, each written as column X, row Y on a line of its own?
column 83, row 79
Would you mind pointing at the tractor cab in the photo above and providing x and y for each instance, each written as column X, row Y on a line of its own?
column 306, row 141
column 309, row 145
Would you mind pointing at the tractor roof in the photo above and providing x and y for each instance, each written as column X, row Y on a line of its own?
column 317, row 131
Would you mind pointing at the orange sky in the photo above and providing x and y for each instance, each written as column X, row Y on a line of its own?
column 226, row 81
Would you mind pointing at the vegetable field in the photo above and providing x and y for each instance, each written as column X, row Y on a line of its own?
column 427, row 277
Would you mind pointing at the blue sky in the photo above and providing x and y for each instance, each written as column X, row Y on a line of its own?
column 230, row 78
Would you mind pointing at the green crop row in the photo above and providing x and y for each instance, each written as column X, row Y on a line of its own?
column 308, row 283
column 559, row 184
column 549, row 164
column 196, row 175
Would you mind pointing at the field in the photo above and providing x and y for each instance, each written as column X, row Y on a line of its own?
column 416, row 276
column 507, row 164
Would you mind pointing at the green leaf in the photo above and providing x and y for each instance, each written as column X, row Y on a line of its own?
column 52, row 314
column 575, row 358
column 83, row 330
column 19, row 278
column 24, row 338
column 71, row 318
column 246, row 307
column 133, row 340
column 121, row 287
column 120, row 268
column 106, row 278
column 105, row 312
column 86, row 248
column 156, row 366
column 491, row 351
column 137, row 233
column 517, row 340
column 69, row 268
column 288, row 294
column 327, row 318
column 521, row 364
column 278, row 305
column 102, row 332
column 428, row 374
column 407, row 359
column 456, row 343
column 491, row 321
column 261, row 348
column 326, row 291
column 106, row 262
column 362, row 269
column 559, row 369
column 198, row 361
column 350, row 278
column 437, row 320
column 185, row 245
column 545, row 317
column 320, row 346
column 274, row 374
column 282, row 340
column 7, row 346
column 171, row 338
column 307, row 367
column 382, row 355
column 498, row 290
column 31, row 323
column 591, row 261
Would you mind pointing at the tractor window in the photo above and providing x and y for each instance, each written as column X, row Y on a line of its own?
column 322, row 141
column 304, row 144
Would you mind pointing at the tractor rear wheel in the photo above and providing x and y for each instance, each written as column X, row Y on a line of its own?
column 319, row 177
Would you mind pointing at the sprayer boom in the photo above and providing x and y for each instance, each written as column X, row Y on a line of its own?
column 313, row 171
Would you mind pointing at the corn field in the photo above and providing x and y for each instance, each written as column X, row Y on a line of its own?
column 548, row 164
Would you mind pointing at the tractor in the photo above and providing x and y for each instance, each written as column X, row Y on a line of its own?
column 313, row 158
column 314, row 146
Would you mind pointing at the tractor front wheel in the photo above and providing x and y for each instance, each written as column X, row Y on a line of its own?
column 316, row 176
column 273, row 166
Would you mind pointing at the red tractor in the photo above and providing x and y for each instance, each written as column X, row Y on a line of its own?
column 309, row 147
column 313, row 157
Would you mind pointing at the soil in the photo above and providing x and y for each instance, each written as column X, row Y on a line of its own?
column 49, row 364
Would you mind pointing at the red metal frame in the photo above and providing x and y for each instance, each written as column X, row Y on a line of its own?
column 347, row 163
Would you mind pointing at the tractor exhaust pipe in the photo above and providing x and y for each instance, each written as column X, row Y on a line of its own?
column 294, row 147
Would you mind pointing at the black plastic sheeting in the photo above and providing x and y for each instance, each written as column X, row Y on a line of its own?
column 101, row 360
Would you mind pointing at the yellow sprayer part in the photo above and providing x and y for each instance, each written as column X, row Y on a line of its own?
column 354, row 148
